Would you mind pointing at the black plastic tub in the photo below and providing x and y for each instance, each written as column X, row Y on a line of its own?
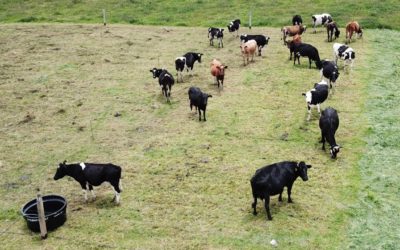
column 55, row 210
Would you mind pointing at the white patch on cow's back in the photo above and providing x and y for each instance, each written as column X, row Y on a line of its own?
column 83, row 166
column 182, row 58
column 323, row 82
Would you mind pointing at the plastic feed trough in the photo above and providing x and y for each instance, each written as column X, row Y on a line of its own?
column 55, row 207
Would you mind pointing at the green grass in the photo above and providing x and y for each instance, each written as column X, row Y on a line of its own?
column 373, row 216
column 186, row 183
column 370, row 13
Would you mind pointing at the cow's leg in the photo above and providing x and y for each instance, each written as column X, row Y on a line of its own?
column 115, row 187
column 199, row 114
column 309, row 112
column 254, row 205
column 323, row 140
column 289, row 192
column 309, row 61
column 267, row 207
column 204, row 114
column 92, row 192
column 280, row 196
column 85, row 188
column 319, row 109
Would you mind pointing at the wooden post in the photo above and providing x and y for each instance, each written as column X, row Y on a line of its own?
column 42, row 220
column 104, row 17
column 250, row 19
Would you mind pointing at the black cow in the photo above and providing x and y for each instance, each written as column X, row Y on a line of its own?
column 187, row 60
column 306, row 50
column 330, row 29
column 92, row 174
column 329, row 123
column 233, row 26
column 216, row 33
column 297, row 20
column 260, row 39
column 165, row 79
column 330, row 72
column 316, row 96
column 271, row 180
column 199, row 100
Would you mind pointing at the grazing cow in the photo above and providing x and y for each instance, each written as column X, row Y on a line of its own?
column 345, row 53
column 330, row 29
column 316, row 96
column 296, row 40
column 187, row 60
column 217, row 33
column 248, row 49
column 321, row 19
column 92, row 174
column 199, row 100
column 306, row 50
column 297, row 20
column 329, row 123
column 330, row 72
column 272, row 179
column 352, row 27
column 291, row 31
column 233, row 26
column 261, row 40
column 218, row 71
column 165, row 79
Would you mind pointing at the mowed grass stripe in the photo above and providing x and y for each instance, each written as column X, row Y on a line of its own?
column 186, row 183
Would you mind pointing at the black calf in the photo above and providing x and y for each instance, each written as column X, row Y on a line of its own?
column 306, row 50
column 329, row 123
column 199, row 100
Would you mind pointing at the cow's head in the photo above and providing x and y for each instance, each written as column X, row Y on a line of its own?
column 220, row 33
column 334, row 151
column 199, row 56
column 359, row 32
column 222, row 69
column 205, row 98
column 61, row 171
column 156, row 72
column 337, row 33
column 335, row 75
column 301, row 170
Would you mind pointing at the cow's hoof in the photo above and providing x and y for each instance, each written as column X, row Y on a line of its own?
column 255, row 213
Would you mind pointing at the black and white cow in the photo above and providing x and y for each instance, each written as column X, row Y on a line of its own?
column 330, row 72
column 216, row 33
column 321, row 19
column 187, row 60
column 329, row 123
column 233, row 26
column 345, row 53
column 316, row 96
column 272, row 179
column 261, row 40
column 199, row 100
column 306, row 50
column 297, row 20
column 92, row 174
column 165, row 79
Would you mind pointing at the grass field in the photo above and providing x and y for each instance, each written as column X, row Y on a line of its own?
column 186, row 183
column 370, row 13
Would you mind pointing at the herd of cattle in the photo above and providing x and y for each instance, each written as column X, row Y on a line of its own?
column 269, row 180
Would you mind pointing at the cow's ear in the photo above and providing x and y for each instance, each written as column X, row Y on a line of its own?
column 65, row 161
column 222, row 29
column 225, row 67
column 308, row 166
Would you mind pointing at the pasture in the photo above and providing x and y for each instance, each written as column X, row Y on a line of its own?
column 85, row 93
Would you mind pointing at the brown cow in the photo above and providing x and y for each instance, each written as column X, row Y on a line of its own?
column 291, row 31
column 352, row 27
column 296, row 40
column 218, row 71
column 248, row 49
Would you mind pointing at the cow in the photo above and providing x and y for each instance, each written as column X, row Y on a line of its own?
column 329, row 123
column 330, row 72
column 261, row 40
column 331, row 28
column 272, row 179
column 92, row 174
column 218, row 71
column 248, row 50
column 345, row 53
column 187, row 60
column 316, row 96
column 165, row 79
column 199, row 100
column 320, row 19
column 216, row 33
column 233, row 26
column 297, row 20
column 296, row 40
column 352, row 27
column 306, row 50
column 291, row 31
